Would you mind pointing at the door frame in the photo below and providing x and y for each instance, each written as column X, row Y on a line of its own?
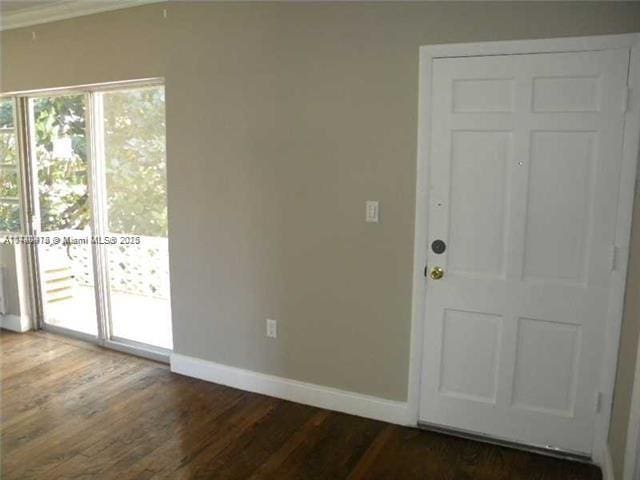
column 30, row 210
column 631, row 141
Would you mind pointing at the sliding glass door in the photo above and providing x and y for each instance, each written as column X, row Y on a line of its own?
column 133, row 129
column 64, row 215
column 100, row 213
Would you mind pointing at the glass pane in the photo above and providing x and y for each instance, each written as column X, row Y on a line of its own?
column 136, row 179
column 9, row 216
column 61, row 155
column 66, row 262
column 6, row 113
column 8, row 150
column 8, row 182
column 10, row 207
column 134, row 130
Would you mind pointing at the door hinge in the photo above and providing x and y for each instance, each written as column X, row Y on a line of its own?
column 599, row 401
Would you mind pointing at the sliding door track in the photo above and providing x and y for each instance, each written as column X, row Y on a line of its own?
column 115, row 343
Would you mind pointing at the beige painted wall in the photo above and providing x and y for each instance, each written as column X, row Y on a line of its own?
column 282, row 120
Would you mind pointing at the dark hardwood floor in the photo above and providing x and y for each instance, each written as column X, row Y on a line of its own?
column 70, row 410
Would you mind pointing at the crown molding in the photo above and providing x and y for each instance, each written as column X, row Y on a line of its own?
column 64, row 9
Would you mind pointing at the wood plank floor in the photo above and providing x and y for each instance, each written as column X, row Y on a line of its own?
column 70, row 410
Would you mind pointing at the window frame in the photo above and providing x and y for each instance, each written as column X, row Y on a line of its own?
column 29, row 207
column 27, row 189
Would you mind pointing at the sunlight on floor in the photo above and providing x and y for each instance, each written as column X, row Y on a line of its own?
column 134, row 317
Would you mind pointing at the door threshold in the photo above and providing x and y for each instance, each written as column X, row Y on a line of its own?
column 138, row 349
column 67, row 332
column 122, row 345
column 546, row 450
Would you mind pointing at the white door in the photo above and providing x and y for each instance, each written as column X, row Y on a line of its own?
column 524, row 173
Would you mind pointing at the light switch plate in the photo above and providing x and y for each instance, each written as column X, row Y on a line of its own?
column 372, row 212
column 272, row 328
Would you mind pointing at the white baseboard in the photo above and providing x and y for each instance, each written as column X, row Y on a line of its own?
column 607, row 465
column 293, row 390
column 14, row 323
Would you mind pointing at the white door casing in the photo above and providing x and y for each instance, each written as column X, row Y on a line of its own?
column 525, row 162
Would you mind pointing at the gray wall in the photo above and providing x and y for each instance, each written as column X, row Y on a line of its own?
column 282, row 120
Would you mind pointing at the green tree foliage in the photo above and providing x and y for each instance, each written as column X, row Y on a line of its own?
column 6, row 114
column 9, row 209
column 62, row 181
column 134, row 130
column 135, row 167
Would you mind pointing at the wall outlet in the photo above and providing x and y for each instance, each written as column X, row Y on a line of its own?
column 372, row 211
column 272, row 328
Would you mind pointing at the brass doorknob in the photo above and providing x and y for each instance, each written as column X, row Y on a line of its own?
column 437, row 273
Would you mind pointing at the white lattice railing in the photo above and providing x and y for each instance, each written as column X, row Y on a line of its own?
column 137, row 269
